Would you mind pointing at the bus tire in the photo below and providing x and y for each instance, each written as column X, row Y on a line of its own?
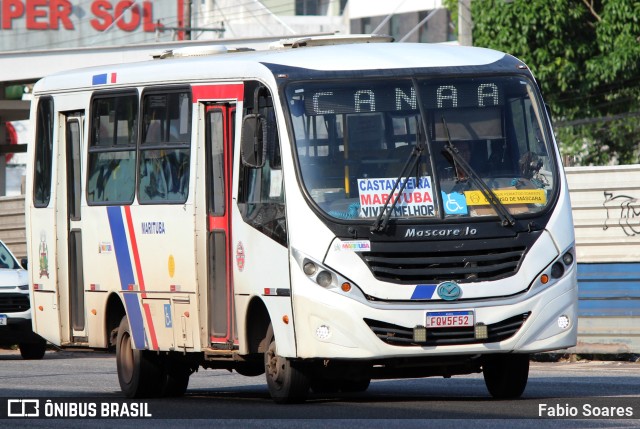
column 33, row 351
column 175, row 378
column 355, row 386
column 139, row 374
column 506, row 376
column 286, row 381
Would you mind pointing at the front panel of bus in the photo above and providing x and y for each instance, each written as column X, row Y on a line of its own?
column 434, row 215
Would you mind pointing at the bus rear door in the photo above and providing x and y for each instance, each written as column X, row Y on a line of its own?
column 73, row 138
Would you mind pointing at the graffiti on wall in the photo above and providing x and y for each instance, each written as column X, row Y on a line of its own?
column 622, row 211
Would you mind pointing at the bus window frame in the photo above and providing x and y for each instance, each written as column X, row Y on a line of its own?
column 163, row 145
column 93, row 148
column 37, row 177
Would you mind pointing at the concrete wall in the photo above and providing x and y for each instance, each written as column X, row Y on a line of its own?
column 435, row 30
column 12, row 225
column 606, row 214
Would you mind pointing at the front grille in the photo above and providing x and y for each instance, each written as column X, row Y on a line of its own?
column 13, row 302
column 434, row 262
column 402, row 336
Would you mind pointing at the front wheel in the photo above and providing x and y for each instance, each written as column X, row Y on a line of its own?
column 139, row 374
column 287, row 383
column 33, row 351
column 506, row 375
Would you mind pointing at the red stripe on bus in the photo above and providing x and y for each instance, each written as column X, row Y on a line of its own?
column 234, row 91
column 218, row 222
column 136, row 259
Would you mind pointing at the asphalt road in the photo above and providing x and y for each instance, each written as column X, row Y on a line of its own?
column 592, row 390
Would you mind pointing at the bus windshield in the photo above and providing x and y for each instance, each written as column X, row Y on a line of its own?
column 354, row 140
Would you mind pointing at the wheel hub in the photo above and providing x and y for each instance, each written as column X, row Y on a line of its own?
column 275, row 364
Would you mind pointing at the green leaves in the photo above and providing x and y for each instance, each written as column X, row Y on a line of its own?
column 586, row 57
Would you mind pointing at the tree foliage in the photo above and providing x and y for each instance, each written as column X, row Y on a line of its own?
column 585, row 55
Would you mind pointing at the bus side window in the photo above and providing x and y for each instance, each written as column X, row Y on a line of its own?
column 261, row 193
column 164, row 151
column 44, row 153
column 112, row 149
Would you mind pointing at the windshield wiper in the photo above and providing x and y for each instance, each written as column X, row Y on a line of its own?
column 381, row 222
column 502, row 212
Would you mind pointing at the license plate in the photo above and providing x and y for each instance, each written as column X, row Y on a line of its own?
column 3, row 319
column 450, row 319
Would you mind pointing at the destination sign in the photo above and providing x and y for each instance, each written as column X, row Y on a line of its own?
column 400, row 97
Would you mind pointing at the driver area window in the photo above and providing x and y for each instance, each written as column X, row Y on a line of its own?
column 261, row 193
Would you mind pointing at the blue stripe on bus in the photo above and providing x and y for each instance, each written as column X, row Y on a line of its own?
column 99, row 79
column 423, row 292
column 125, row 269
column 609, row 290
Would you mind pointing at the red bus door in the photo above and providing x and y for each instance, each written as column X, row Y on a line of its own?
column 219, row 125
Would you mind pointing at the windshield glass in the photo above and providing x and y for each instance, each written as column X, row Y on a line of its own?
column 353, row 140
column 6, row 259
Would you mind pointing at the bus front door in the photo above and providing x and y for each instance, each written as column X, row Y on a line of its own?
column 73, row 135
column 220, row 118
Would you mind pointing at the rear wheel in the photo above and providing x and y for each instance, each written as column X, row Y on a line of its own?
column 506, row 375
column 175, row 378
column 287, row 383
column 139, row 372
column 33, row 351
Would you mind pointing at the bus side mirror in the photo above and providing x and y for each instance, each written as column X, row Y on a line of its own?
column 253, row 145
column 25, row 263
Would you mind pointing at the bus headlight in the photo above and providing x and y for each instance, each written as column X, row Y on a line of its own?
column 556, row 270
column 326, row 277
column 309, row 268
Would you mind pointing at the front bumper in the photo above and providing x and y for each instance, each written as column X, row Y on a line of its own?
column 330, row 325
column 17, row 331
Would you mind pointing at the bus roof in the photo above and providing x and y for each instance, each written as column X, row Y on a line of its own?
column 251, row 64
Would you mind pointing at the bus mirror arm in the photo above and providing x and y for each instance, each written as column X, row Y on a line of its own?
column 253, row 145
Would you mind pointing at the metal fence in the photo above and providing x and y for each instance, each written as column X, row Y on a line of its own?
column 606, row 215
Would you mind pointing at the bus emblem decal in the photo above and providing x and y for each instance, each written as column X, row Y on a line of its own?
column 449, row 290
column 44, row 256
column 439, row 232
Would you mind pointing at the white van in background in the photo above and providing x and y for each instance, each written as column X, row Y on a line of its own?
column 15, row 309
